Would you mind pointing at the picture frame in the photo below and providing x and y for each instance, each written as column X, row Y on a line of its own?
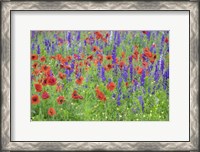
column 7, row 7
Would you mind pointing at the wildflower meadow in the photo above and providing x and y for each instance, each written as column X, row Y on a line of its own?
column 99, row 75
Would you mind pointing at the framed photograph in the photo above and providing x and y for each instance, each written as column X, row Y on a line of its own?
column 104, row 75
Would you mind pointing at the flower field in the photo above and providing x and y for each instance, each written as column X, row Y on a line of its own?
column 99, row 76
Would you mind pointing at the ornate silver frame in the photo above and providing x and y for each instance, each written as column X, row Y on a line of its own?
column 7, row 6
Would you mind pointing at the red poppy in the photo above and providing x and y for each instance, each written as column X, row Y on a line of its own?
column 109, row 57
column 145, row 64
column 58, row 57
column 76, row 96
column 153, row 58
column 98, row 35
column 105, row 40
column 147, row 52
column 36, row 72
column 68, row 67
column 139, row 70
column 95, row 48
column 90, row 57
column 135, row 55
column 35, row 65
column 35, row 99
column 166, row 40
column 111, row 86
column 144, row 32
column 60, row 99
column 38, row 87
column 121, row 64
column 100, row 95
column 62, row 75
column 69, row 58
column 63, row 60
column 51, row 81
column 34, row 57
column 51, row 111
column 100, row 57
column 79, row 81
column 45, row 68
column 45, row 95
column 42, row 59
column 107, row 35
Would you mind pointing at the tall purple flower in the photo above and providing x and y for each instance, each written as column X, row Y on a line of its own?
column 118, row 100
column 114, row 55
column 141, row 102
column 69, row 39
column 119, row 85
column 38, row 49
column 156, row 73
column 78, row 36
column 148, row 35
column 99, row 69
column 103, row 74
column 162, row 65
column 33, row 46
column 131, row 71
column 142, row 78
column 125, row 73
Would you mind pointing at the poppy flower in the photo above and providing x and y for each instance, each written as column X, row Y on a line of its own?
column 36, row 72
column 34, row 57
column 68, row 67
column 35, row 99
column 98, row 35
column 90, row 57
column 111, row 86
column 62, row 75
column 109, row 57
column 100, row 57
column 68, row 58
column 144, row 32
column 76, row 96
column 166, row 40
column 100, row 95
column 60, row 99
column 38, row 87
column 121, row 64
column 35, row 65
column 147, row 52
column 42, row 59
column 58, row 57
column 139, row 70
column 135, row 55
column 51, row 111
column 63, row 60
column 51, row 81
column 45, row 95
column 153, row 58
column 107, row 35
column 80, row 64
column 95, row 48
column 45, row 68
column 105, row 40
column 79, row 81
column 145, row 64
